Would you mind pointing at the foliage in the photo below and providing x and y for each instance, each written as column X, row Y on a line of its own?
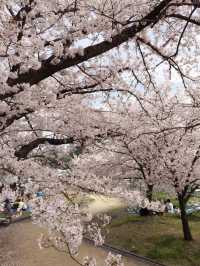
column 80, row 74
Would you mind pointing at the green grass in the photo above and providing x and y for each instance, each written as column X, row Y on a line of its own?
column 157, row 237
column 24, row 214
column 126, row 219
column 162, row 248
column 2, row 215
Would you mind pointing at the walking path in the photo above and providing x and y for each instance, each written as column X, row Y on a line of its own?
column 104, row 204
column 18, row 247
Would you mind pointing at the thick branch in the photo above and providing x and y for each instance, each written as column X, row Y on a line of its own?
column 26, row 149
column 46, row 70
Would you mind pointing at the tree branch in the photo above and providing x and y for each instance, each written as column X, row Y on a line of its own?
column 23, row 152
column 33, row 76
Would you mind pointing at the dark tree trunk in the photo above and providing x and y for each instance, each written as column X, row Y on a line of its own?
column 184, row 219
column 149, row 192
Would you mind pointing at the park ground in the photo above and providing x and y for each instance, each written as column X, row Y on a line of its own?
column 157, row 237
column 19, row 247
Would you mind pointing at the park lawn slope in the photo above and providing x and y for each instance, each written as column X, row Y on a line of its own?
column 157, row 237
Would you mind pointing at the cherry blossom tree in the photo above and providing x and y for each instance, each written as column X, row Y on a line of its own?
column 60, row 60
column 162, row 144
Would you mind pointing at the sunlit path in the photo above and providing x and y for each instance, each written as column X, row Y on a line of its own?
column 101, row 203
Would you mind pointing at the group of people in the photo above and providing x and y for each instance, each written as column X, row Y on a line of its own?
column 14, row 208
column 22, row 203
column 159, row 209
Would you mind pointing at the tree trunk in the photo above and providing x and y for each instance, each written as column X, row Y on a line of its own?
column 149, row 192
column 184, row 219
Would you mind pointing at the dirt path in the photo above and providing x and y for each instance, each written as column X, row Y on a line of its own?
column 103, row 204
column 18, row 247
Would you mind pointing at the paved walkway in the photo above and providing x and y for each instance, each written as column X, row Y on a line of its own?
column 18, row 247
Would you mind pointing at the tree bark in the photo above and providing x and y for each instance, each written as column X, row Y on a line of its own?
column 149, row 192
column 184, row 219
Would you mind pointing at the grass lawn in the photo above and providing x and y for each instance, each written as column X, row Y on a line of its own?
column 24, row 214
column 157, row 237
column 2, row 215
